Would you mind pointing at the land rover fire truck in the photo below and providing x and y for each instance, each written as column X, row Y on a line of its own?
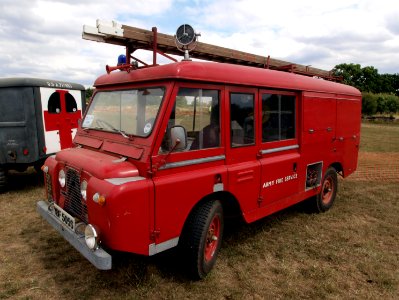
column 165, row 152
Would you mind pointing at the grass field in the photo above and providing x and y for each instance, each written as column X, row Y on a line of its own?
column 350, row 252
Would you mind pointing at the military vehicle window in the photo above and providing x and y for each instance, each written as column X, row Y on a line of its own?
column 242, row 122
column 70, row 103
column 278, row 117
column 197, row 110
column 54, row 103
column 12, row 102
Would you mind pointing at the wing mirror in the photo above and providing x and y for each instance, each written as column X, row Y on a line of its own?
column 178, row 138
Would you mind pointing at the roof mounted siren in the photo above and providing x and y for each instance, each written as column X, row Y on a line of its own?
column 186, row 39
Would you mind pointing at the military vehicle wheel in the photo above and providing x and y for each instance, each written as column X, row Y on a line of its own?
column 3, row 179
column 202, row 238
column 38, row 167
column 325, row 199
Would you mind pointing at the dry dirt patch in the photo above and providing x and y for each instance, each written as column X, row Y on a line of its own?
column 377, row 166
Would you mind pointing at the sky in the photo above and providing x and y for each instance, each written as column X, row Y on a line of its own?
column 43, row 38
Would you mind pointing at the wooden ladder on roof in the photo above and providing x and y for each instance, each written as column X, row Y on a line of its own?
column 134, row 38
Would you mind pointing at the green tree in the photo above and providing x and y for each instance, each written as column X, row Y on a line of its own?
column 389, row 83
column 392, row 104
column 370, row 80
column 367, row 79
column 89, row 93
column 381, row 104
column 351, row 74
column 369, row 104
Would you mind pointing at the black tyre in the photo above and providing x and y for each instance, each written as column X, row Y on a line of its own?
column 202, row 238
column 3, row 180
column 329, row 186
column 38, row 168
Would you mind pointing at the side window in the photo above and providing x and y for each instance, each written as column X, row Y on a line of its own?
column 278, row 117
column 70, row 103
column 54, row 103
column 197, row 110
column 242, row 122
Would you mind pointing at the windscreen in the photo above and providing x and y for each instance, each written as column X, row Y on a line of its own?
column 129, row 112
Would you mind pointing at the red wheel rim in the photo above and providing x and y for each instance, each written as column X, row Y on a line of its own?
column 212, row 238
column 327, row 190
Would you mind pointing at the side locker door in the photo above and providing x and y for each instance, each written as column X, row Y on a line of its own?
column 242, row 147
column 280, row 152
column 348, row 132
column 319, row 143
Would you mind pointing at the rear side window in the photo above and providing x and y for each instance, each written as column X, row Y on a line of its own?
column 242, row 122
column 278, row 117
column 54, row 103
column 70, row 103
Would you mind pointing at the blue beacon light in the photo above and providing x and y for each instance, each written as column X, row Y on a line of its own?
column 121, row 59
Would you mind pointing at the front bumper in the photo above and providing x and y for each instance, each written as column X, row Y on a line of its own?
column 99, row 258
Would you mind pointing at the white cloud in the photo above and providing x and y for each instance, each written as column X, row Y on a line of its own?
column 44, row 38
column 319, row 33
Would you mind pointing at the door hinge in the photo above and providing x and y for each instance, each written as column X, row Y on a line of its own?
column 260, row 200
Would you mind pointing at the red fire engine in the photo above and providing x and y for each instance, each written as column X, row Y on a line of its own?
column 165, row 152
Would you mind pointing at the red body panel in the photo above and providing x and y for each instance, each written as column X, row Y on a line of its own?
column 97, row 164
column 262, row 177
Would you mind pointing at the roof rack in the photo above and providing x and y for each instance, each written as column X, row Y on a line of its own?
column 134, row 38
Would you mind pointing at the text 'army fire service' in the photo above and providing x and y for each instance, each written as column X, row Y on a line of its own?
column 165, row 153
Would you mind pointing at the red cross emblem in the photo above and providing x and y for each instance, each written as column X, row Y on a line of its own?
column 62, row 115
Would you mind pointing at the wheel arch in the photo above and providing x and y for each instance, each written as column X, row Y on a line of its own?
column 231, row 206
column 338, row 167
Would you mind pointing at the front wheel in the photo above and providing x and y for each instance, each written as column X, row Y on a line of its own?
column 325, row 199
column 202, row 238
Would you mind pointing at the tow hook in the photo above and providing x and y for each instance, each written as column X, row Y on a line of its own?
column 12, row 155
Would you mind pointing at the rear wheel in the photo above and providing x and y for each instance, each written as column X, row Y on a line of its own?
column 3, row 179
column 325, row 199
column 202, row 238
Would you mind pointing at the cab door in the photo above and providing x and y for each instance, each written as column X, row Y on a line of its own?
column 185, row 176
column 242, row 161
column 279, row 151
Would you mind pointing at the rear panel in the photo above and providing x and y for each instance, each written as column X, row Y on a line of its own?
column 61, row 110
column 18, row 131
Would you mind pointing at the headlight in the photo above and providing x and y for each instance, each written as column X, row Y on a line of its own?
column 92, row 237
column 61, row 178
column 83, row 189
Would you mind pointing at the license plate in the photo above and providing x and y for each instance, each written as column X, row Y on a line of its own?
column 64, row 217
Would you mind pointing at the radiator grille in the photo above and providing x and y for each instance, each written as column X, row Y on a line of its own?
column 74, row 204
column 49, row 187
